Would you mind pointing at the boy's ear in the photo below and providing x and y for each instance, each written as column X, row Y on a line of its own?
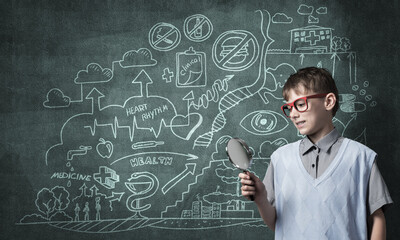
column 330, row 101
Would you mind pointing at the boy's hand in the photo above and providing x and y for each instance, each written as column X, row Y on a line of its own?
column 252, row 187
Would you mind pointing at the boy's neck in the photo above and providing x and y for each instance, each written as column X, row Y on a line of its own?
column 314, row 138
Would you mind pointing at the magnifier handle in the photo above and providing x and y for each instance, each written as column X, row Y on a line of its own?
column 250, row 196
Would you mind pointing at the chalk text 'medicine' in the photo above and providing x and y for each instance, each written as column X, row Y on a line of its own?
column 73, row 176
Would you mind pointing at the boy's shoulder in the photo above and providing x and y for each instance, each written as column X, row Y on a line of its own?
column 359, row 146
column 293, row 146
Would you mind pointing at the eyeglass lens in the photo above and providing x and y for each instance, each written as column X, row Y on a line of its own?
column 300, row 105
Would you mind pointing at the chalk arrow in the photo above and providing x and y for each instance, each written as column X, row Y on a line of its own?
column 143, row 79
column 95, row 95
column 115, row 196
column 190, row 167
column 83, row 190
column 350, row 57
column 334, row 57
column 94, row 190
column 189, row 97
column 302, row 58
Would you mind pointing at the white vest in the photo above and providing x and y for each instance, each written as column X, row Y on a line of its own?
column 333, row 206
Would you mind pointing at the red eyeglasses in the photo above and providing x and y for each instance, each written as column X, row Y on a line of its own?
column 300, row 104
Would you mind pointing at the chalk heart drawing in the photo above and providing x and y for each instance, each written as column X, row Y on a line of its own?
column 184, row 126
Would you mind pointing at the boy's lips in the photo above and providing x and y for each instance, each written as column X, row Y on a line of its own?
column 300, row 123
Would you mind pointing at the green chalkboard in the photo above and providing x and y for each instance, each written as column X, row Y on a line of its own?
column 115, row 114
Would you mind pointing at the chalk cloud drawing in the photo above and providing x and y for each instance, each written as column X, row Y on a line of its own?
column 322, row 10
column 268, row 147
column 138, row 58
column 281, row 18
column 305, row 9
column 313, row 20
column 56, row 99
column 93, row 73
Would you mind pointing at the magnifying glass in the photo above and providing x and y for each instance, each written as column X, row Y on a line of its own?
column 239, row 155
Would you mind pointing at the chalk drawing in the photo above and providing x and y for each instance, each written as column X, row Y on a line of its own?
column 235, row 50
column 142, row 185
column 264, row 122
column 156, row 139
column 191, row 69
column 164, row 37
column 197, row 28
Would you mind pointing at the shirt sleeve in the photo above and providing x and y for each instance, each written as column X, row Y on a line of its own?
column 269, row 184
column 378, row 193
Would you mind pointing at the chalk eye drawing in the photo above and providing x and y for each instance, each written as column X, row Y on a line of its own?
column 191, row 69
column 235, row 50
column 164, row 37
column 197, row 28
column 264, row 122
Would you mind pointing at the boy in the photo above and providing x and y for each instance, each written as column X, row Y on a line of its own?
column 323, row 186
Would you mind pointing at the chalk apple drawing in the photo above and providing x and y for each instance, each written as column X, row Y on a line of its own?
column 104, row 148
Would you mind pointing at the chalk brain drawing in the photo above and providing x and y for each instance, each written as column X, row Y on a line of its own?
column 155, row 123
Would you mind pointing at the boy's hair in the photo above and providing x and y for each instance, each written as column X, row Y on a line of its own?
column 313, row 79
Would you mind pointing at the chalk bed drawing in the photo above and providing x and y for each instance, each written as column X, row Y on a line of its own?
column 146, row 145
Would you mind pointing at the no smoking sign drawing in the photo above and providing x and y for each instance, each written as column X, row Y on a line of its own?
column 164, row 37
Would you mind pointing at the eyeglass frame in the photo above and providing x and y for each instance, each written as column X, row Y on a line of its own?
column 292, row 105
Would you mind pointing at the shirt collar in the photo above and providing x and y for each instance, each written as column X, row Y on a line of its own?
column 324, row 144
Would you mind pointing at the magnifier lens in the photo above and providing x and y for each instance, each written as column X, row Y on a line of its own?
column 239, row 153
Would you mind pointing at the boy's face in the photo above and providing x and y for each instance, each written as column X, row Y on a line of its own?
column 316, row 121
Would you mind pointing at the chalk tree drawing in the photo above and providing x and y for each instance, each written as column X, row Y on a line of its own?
column 154, row 124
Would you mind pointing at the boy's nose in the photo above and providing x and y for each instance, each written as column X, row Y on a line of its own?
column 294, row 113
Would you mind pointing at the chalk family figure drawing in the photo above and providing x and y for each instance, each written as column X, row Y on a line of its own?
column 122, row 151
